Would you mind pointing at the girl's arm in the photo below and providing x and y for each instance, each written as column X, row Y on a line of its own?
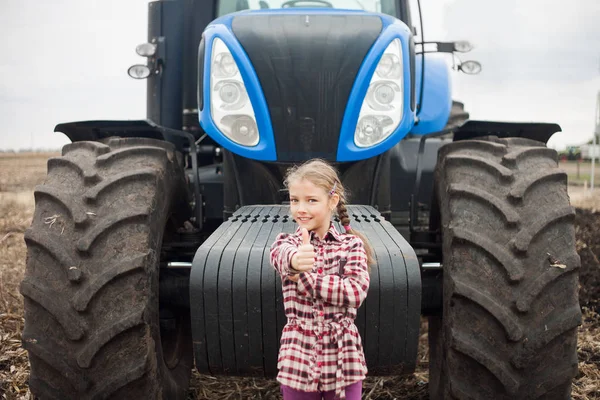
column 282, row 251
column 348, row 290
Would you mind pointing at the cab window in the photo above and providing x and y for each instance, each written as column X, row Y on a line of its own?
column 380, row 6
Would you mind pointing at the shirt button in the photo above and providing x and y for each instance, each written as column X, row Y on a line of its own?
column 321, row 313
column 319, row 364
column 320, row 270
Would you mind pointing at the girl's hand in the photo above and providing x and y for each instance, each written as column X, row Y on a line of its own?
column 304, row 259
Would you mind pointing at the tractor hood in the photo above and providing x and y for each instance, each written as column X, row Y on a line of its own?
column 306, row 65
column 290, row 85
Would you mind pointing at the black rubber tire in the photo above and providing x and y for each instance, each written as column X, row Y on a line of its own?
column 92, row 323
column 458, row 115
column 508, row 328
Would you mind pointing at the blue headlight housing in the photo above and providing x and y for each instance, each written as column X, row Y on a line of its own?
column 375, row 110
column 234, row 112
column 378, row 113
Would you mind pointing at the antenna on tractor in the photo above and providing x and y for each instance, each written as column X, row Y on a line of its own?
column 422, row 61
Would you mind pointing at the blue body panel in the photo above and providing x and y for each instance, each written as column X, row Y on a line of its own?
column 347, row 149
column 437, row 96
column 432, row 117
column 265, row 149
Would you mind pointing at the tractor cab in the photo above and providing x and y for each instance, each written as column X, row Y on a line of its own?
column 390, row 7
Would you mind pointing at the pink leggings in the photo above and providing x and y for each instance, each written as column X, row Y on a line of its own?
column 353, row 392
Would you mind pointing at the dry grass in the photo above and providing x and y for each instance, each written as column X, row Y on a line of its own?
column 14, row 367
column 20, row 173
column 412, row 387
column 589, row 201
column 587, row 384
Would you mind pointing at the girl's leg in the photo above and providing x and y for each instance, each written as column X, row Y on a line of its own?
column 293, row 394
column 353, row 392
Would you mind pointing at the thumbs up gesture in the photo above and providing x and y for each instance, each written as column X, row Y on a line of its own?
column 304, row 259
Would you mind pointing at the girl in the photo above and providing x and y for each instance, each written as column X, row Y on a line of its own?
column 325, row 277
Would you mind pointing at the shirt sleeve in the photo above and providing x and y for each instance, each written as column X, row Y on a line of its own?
column 282, row 251
column 348, row 290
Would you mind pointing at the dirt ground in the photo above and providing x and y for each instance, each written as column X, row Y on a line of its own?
column 20, row 173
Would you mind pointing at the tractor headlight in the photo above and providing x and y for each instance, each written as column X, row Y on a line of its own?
column 230, row 106
column 232, row 94
column 241, row 127
column 381, row 111
column 389, row 66
column 372, row 129
column 224, row 65
column 382, row 95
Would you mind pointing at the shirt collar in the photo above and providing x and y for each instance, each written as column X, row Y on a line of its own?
column 331, row 233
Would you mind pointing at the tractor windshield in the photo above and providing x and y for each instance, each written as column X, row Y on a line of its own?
column 382, row 6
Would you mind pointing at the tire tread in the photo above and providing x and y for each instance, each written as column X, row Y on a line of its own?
column 519, row 186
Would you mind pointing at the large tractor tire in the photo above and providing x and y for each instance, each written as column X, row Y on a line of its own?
column 458, row 115
column 94, row 326
column 508, row 328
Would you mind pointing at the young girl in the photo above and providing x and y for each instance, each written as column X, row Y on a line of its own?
column 325, row 277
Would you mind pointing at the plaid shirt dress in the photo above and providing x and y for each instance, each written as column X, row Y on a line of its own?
column 321, row 349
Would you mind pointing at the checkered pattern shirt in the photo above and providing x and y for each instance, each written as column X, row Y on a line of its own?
column 321, row 349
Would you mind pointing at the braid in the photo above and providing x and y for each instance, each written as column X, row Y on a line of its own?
column 342, row 212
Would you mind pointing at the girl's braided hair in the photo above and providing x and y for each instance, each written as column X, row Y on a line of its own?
column 323, row 175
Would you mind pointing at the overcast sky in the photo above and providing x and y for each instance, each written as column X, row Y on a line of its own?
column 67, row 61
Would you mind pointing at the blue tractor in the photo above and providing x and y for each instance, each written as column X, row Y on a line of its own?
column 148, row 251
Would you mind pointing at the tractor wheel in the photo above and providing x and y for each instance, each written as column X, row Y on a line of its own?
column 510, row 303
column 94, row 326
column 458, row 115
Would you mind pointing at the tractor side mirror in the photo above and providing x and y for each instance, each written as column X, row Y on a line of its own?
column 459, row 46
column 463, row 46
column 470, row 67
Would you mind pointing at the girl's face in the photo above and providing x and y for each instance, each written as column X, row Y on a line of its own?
column 312, row 206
